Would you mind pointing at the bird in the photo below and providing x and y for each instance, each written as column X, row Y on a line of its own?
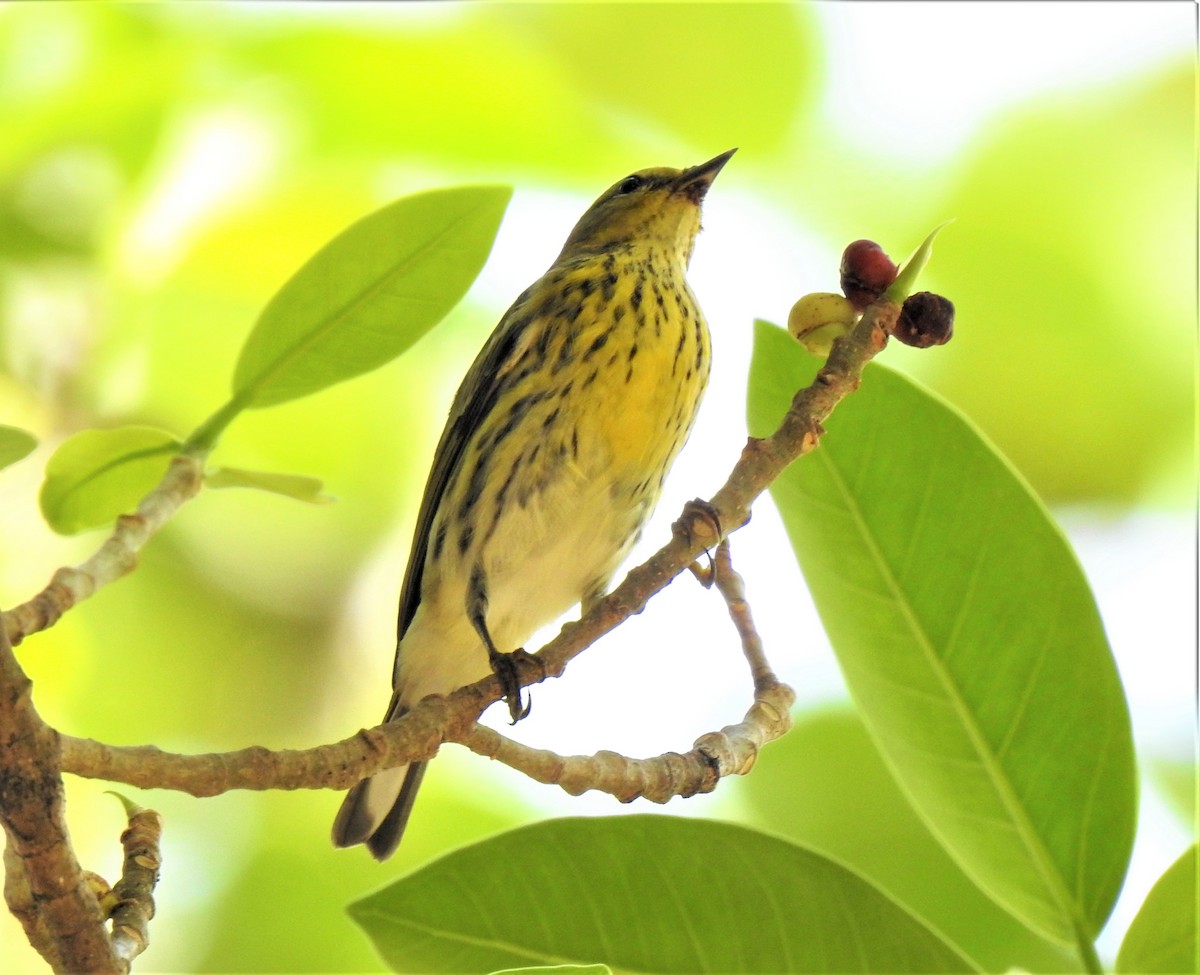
column 552, row 459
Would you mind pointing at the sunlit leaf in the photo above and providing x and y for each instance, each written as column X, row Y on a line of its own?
column 1162, row 937
column 910, row 270
column 851, row 808
column 558, row 970
column 1177, row 782
column 968, row 637
column 297, row 486
column 14, row 445
column 649, row 894
column 97, row 475
column 369, row 293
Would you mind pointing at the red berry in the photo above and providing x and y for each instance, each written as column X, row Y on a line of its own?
column 925, row 319
column 866, row 272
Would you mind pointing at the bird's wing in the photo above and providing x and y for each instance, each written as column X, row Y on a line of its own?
column 475, row 399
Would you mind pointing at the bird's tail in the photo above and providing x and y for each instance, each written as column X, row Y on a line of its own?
column 376, row 810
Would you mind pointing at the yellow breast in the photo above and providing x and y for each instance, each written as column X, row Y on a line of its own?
column 643, row 366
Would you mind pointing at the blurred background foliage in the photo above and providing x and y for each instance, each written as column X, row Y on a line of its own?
column 164, row 168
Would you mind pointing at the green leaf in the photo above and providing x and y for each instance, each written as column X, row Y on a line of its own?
column 852, row 810
column 649, row 894
column 561, row 969
column 297, row 486
column 1162, row 937
column 369, row 293
column 14, row 445
column 1177, row 781
column 97, row 475
column 968, row 637
column 910, row 270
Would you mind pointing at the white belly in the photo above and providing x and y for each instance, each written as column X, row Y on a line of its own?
column 540, row 561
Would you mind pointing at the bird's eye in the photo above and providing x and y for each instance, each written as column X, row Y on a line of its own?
column 630, row 183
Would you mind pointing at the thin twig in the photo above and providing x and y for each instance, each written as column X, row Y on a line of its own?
column 732, row 588
column 115, row 558
column 730, row 751
column 135, row 890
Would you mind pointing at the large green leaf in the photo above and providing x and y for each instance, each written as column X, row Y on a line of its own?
column 851, row 808
column 97, row 475
column 968, row 637
column 14, row 444
column 646, row 894
column 369, row 293
column 1162, row 937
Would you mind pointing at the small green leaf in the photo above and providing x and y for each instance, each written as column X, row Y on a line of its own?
column 369, row 294
column 97, row 475
column 297, row 486
column 910, row 270
column 1162, row 937
column 645, row 894
column 14, row 445
column 969, row 640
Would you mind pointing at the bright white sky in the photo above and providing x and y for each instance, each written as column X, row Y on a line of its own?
column 964, row 61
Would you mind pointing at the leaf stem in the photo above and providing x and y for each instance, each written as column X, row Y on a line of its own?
column 205, row 436
column 1087, row 952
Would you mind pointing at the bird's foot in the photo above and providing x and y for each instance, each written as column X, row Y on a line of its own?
column 506, row 667
column 700, row 522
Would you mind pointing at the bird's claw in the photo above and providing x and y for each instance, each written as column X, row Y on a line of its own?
column 700, row 522
column 506, row 667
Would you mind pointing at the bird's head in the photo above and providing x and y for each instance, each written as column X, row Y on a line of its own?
column 653, row 207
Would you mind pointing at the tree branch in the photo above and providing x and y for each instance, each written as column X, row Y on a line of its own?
column 45, row 887
column 115, row 558
column 761, row 462
column 731, row 751
column 453, row 718
column 134, row 892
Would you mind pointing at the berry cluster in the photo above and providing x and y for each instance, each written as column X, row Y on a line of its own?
column 866, row 273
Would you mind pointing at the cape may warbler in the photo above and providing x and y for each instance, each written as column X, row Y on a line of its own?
column 552, row 459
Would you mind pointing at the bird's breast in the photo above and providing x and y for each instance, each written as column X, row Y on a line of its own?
column 642, row 366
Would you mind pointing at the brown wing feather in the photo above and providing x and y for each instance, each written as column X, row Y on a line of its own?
column 472, row 403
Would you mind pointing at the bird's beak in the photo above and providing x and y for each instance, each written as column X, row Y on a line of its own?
column 694, row 182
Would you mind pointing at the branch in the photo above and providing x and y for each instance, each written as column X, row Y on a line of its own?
column 134, row 892
column 761, row 462
column 731, row 751
column 45, row 887
column 435, row 720
column 115, row 558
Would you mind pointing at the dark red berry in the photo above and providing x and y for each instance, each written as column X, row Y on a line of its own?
column 867, row 272
column 925, row 319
